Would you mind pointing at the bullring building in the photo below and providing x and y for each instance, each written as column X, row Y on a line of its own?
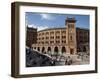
column 68, row 39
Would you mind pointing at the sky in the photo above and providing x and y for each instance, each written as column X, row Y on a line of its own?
column 50, row 20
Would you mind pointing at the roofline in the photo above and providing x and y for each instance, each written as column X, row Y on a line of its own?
column 82, row 28
column 52, row 29
column 61, row 28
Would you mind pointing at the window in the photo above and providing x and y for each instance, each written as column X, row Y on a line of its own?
column 52, row 37
column 57, row 41
column 51, row 42
column 47, row 42
column 42, row 38
column 39, row 34
column 64, row 41
column 63, row 37
column 42, row 33
column 70, row 25
column 47, row 33
column 70, row 37
column 47, row 37
column 52, row 32
column 64, row 32
column 57, row 32
column 39, row 38
column 42, row 42
column 57, row 37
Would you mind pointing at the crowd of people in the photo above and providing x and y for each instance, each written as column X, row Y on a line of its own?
column 35, row 58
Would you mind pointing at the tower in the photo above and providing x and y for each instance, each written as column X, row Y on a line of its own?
column 71, row 35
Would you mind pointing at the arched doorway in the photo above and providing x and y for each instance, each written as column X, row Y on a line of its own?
column 38, row 48
column 80, row 49
column 43, row 49
column 56, row 49
column 84, row 49
column 63, row 50
column 49, row 49
column 71, row 51
column 34, row 47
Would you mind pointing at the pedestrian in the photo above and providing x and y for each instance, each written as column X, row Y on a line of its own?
column 68, row 61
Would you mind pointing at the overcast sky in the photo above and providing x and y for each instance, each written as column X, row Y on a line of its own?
column 48, row 20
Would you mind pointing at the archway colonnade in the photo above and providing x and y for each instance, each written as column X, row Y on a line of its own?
column 51, row 49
